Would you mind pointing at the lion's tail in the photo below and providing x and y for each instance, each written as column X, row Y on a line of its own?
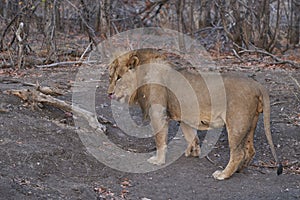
column 266, row 114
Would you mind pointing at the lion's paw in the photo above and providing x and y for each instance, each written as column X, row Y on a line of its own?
column 156, row 161
column 187, row 152
column 196, row 151
column 219, row 175
column 193, row 151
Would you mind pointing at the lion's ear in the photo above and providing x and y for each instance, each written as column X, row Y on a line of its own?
column 133, row 62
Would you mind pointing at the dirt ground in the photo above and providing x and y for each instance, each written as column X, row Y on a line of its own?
column 42, row 156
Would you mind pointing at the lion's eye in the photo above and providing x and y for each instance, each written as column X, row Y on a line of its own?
column 118, row 77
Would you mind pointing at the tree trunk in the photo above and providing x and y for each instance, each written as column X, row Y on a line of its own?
column 50, row 29
column 57, row 14
column 295, row 23
column 104, row 18
column 205, row 13
column 180, row 28
column 264, row 19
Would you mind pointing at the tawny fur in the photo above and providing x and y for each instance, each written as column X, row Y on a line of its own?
column 244, row 98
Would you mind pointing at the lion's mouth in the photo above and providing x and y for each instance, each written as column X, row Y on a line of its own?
column 113, row 96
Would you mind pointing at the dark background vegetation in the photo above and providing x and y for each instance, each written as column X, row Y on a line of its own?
column 53, row 29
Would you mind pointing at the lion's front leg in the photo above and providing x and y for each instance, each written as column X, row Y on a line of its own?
column 159, row 125
column 161, row 148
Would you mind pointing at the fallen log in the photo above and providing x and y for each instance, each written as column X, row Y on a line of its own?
column 34, row 97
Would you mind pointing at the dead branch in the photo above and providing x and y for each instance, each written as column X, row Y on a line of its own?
column 48, row 91
column 5, row 80
column 277, row 59
column 67, row 63
column 34, row 97
column 43, row 89
column 85, row 51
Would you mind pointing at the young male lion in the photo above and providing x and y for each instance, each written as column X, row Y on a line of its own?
column 200, row 101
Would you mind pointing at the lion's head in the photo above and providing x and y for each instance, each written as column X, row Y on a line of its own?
column 123, row 67
column 125, row 87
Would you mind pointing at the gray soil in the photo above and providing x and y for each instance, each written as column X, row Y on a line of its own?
column 42, row 156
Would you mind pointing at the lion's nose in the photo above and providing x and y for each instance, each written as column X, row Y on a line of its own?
column 111, row 95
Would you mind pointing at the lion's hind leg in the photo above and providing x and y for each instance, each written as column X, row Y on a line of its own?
column 190, row 134
column 236, row 137
column 249, row 146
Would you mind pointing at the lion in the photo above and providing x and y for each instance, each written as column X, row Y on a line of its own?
column 198, row 101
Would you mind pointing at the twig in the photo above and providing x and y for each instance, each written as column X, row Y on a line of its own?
column 297, row 83
column 278, row 102
column 237, row 55
column 86, row 50
column 28, row 84
column 264, row 165
column 115, row 27
column 210, row 160
column 67, row 63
